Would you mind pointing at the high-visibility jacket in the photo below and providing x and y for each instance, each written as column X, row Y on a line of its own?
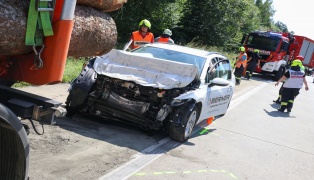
column 241, row 61
column 138, row 39
column 164, row 40
column 295, row 80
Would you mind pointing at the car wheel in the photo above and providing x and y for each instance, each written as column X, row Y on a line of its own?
column 183, row 132
column 80, row 88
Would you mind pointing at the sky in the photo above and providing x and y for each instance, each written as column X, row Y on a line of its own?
column 297, row 15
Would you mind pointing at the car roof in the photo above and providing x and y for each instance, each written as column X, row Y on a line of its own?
column 183, row 49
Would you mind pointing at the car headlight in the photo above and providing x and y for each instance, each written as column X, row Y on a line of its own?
column 179, row 102
column 176, row 101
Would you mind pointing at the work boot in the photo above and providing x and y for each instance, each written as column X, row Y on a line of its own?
column 247, row 76
column 276, row 101
column 237, row 81
column 281, row 110
column 289, row 110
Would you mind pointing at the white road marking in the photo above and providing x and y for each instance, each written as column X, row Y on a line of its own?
column 234, row 103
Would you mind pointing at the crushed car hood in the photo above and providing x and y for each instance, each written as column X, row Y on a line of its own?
column 145, row 70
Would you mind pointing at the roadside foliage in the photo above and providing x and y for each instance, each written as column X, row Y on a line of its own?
column 203, row 22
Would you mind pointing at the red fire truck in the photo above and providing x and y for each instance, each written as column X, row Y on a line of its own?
column 278, row 49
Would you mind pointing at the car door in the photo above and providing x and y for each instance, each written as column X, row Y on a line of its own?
column 218, row 94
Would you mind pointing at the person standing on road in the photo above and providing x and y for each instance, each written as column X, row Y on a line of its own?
column 165, row 37
column 294, row 80
column 252, row 63
column 240, row 64
column 143, row 35
column 278, row 100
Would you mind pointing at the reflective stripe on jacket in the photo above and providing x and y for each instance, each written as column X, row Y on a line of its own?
column 241, row 61
column 295, row 80
column 138, row 39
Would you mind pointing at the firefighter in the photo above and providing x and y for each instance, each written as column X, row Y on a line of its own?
column 240, row 64
column 252, row 62
column 294, row 79
column 143, row 35
column 165, row 37
column 278, row 100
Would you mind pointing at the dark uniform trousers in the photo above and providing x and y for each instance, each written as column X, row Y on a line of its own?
column 250, row 69
column 288, row 96
column 238, row 74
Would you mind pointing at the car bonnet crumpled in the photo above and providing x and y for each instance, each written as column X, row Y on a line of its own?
column 145, row 70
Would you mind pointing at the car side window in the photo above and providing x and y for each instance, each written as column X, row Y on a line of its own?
column 221, row 69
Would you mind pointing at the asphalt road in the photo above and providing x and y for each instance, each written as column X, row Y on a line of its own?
column 252, row 141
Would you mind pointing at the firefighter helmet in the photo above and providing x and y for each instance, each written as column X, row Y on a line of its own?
column 146, row 23
column 301, row 58
column 256, row 51
column 296, row 63
column 167, row 32
column 241, row 49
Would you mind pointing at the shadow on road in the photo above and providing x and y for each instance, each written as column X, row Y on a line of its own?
column 119, row 134
column 277, row 113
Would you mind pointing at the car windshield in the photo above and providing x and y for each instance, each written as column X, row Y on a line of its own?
column 173, row 56
column 265, row 43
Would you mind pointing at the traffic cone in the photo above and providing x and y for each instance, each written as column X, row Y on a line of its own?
column 210, row 120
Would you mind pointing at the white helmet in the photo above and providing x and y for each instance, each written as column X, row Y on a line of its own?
column 168, row 32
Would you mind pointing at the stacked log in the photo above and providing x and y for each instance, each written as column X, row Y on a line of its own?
column 104, row 5
column 13, row 20
column 94, row 31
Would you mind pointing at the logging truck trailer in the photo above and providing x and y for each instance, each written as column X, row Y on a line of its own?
column 45, row 65
column 277, row 50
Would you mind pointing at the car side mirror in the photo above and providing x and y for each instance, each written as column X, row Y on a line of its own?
column 218, row 82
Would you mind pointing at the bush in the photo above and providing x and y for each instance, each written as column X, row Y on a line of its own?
column 72, row 68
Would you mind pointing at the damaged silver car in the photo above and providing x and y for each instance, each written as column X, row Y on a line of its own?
column 157, row 86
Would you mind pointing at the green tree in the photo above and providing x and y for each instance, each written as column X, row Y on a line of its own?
column 219, row 23
column 281, row 26
column 266, row 12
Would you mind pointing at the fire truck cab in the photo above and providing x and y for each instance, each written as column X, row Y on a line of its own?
column 277, row 50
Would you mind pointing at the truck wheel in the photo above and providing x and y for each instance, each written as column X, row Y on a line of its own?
column 14, row 146
column 183, row 132
column 279, row 73
column 80, row 88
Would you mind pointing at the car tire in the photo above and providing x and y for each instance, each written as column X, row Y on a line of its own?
column 80, row 88
column 14, row 146
column 188, row 121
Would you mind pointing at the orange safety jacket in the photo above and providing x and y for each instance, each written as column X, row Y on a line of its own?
column 240, row 61
column 138, row 39
column 163, row 40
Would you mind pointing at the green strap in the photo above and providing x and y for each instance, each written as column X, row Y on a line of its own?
column 45, row 20
column 37, row 26
column 31, row 24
